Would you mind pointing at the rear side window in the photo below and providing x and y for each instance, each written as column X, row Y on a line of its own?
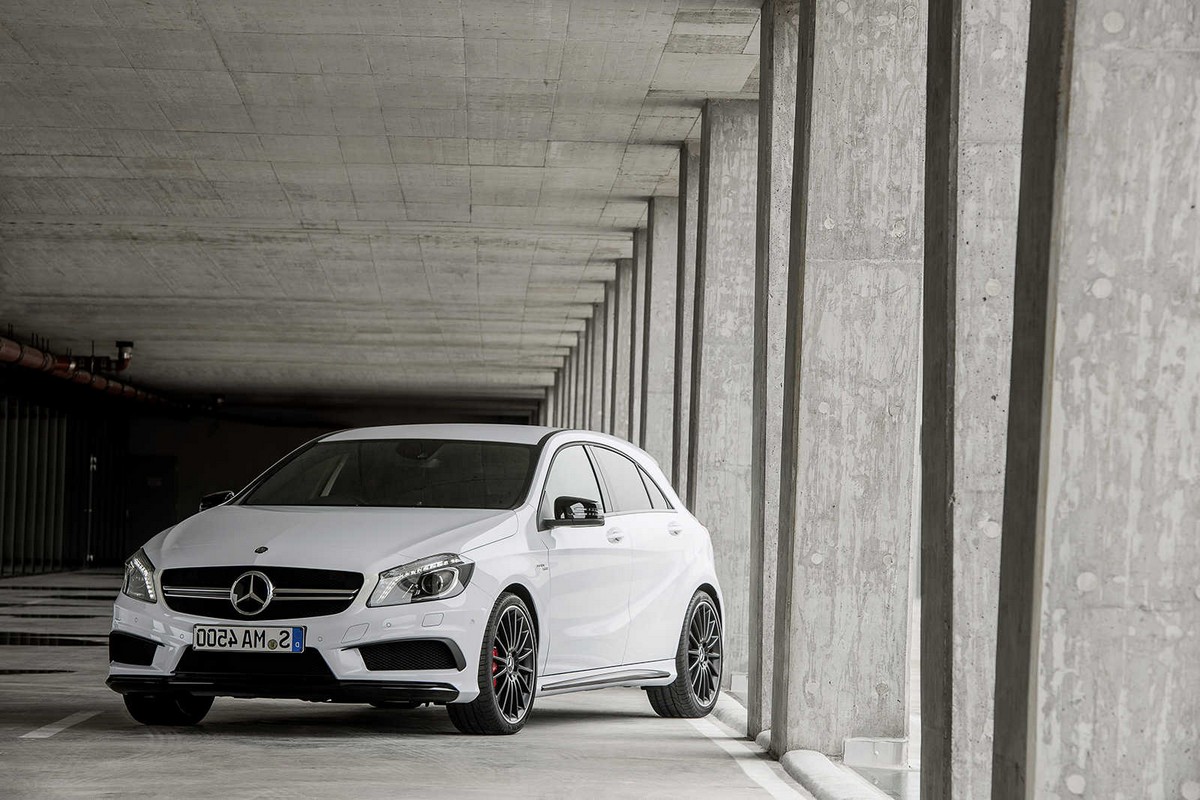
column 657, row 499
column 624, row 481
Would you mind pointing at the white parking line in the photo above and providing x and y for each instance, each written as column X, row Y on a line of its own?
column 46, row 731
column 750, row 761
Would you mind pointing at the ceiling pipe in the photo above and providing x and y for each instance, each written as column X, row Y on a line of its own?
column 70, row 368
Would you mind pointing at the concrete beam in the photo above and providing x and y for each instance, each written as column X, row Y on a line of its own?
column 847, row 488
column 685, row 310
column 658, row 358
column 722, row 356
column 1098, row 645
column 778, row 53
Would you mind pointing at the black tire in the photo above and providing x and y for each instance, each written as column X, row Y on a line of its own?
column 698, row 664
column 175, row 708
column 507, row 673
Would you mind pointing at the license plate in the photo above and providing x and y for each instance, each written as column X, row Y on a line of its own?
column 248, row 639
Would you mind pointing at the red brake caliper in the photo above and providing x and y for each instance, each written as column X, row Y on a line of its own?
column 495, row 655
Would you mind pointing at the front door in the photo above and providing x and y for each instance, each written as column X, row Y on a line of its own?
column 589, row 575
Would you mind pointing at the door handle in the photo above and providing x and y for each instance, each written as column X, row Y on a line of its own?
column 615, row 536
column 674, row 530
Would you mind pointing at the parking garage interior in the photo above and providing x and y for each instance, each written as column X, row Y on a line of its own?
column 903, row 297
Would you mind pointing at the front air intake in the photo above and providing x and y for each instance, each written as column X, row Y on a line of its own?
column 412, row 654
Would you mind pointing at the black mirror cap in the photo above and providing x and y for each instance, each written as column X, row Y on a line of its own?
column 565, row 516
column 215, row 499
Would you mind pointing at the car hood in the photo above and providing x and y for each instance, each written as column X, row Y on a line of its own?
column 357, row 539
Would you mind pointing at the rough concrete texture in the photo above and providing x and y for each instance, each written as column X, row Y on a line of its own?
column 658, row 360
column 723, row 355
column 621, row 345
column 778, row 52
column 1118, row 626
column 848, row 474
column 637, row 340
column 685, row 311
column 595, row 419
column 606, row 744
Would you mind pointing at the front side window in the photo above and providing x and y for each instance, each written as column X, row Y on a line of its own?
column 624, row 481
column 401, row 473
column 571, row 475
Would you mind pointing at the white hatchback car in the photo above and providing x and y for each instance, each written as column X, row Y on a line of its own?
column 475, row 566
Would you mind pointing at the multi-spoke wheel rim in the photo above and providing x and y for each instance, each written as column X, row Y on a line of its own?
column 513, row 653
column 704, row 653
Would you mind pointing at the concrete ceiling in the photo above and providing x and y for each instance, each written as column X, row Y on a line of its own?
column 341, row 197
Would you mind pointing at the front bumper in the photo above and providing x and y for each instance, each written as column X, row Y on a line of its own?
column 333, row 668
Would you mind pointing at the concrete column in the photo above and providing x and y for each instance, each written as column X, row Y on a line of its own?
column 685, row 310
column 621, row 348
column 1098, row 668
column 568, row 389
column 599, row 338
column 610, row 347
column 776, row 130
column 972, row 168
column 581, row 351
column 722, row 356
column 658, row 352
column 847, row 485
column 637, row 323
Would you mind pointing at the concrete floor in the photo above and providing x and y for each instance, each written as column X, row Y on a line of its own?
column 53, row 660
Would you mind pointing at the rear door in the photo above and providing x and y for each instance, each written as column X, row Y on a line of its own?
column 589, row 575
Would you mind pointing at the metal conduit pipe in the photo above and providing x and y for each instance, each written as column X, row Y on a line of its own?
column 68, row 368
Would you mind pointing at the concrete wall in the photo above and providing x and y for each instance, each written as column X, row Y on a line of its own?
column 847, row 486
column 722, row 356
column 658, row 360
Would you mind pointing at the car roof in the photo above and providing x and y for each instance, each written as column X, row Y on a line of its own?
column 517, row 434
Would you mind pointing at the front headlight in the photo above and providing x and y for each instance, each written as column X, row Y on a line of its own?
column 433, row 578
column 139, row 578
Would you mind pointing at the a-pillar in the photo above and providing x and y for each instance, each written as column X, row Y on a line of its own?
column 621, row 346
column 1099, row 627
column 972, row 166
column 658, row 359
column 847, row 485
column 685, row 309
column 637, row 324
column 723, row 355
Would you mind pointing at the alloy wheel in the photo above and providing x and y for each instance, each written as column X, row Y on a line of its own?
column 513, row 655
column 704, row 653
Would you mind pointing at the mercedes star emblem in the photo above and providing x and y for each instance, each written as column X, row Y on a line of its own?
column 260, row 550
column 251, row 593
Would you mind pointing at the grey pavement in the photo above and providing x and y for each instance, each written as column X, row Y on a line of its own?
column 53, row 661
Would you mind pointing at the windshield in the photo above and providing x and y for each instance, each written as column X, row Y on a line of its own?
column 401, row 473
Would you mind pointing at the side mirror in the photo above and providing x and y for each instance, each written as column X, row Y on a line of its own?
column 575, row 512
column 215, row 499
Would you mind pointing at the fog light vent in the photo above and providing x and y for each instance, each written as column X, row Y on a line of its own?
column 412, row 654
column 134, row 650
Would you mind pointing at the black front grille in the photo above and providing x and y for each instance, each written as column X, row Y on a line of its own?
column 126, row 649
column 290, row 601
column 259, row 666
column 411, row 654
